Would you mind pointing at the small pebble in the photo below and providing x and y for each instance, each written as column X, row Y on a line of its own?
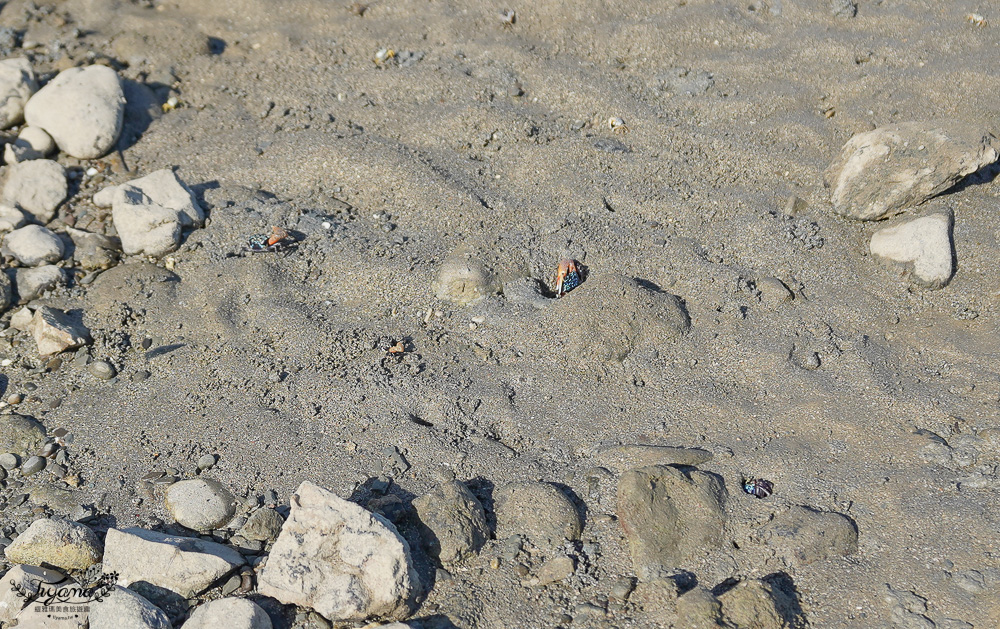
column 102, row 369
column 15, row 398
column 33, row 465
column 140, row 376
column 232, row 585
column 8, row 461
column 206, row 462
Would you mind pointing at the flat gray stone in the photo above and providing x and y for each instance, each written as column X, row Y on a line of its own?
column 885, row 171
column 669, row 516
column 454, row 523
column 337, row 558
column 263, row 525
column 185, row 565
column 920, row 249
column 82, row 109
column 538, row 511
column 20, row 435
column 802, row 535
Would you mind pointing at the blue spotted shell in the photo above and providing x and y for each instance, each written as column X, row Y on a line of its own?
column 571, row 281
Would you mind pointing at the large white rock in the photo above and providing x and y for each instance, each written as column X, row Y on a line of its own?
column 231, row 613
column 124, row 609
column 56, row 331
column 149, row 213
column 57, row 542
column 17, row 84
column 185, row 565
column 37, row 186
column 82, row 109
column 883, row 172
column 335, row 557
column 33, row 245
column 920, row 248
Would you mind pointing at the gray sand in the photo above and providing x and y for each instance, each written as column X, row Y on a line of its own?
column 278, row 363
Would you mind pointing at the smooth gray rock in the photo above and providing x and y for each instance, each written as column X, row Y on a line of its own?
column 185, row 565
column 82, row 109
column 885, row 171
column 263, row 525
column 37, row 186
column 538, row 511
column 201, row 504
column 20, row 435
column 669, row 516
column 94, row 252
column 124, row 609
column 58, row 542
column 10, row 218
column 802, row 535
column 337, row 558
column 454, row 523
column 17, row 84
column 231, row 613
column 33, row 245
column 920, row 249
column 56, row 331
column 33, row 282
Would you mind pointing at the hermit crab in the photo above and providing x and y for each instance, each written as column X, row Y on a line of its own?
column 568, row 276
column 758, row 487
column 276, row 241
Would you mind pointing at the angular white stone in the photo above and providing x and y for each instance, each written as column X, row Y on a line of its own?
column 337, row 558
column 37, row 187
column 185, row 565
column 921, row 248
column 82, row 109
column 55, row 331
column 124, row 609
column 883, row 172
column 21, row 319
column 149, row 213
column 17, row 84
column 231, row 613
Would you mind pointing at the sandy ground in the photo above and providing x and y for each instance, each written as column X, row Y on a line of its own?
column 494, row 141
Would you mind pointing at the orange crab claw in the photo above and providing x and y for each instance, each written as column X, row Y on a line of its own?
column 277, row 235
column 567, row 277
